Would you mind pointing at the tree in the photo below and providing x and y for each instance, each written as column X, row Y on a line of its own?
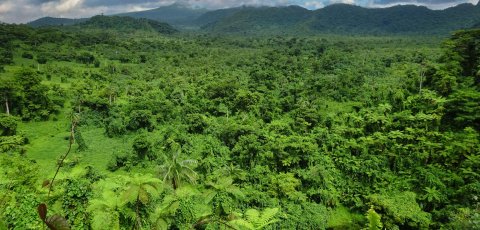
column 463, row 109
column 8, row 90
column 6, row 55
column 124, row 199
column 185, row 208
column 106, row 211
column 223, row 195
column 141, row 189
column 177, row 171
column 140, row 119
column 34, row 101
column 142, row 147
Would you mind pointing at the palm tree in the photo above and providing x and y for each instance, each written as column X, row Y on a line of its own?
column 176, row 171
column 233, row 171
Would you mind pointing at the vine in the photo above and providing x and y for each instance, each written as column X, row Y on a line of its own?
column 57, row 222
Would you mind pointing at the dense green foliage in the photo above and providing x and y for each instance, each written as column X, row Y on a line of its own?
column 340, row 18
column 408, row 19
column 127, row 24
column 250, row 19
column 207, row 132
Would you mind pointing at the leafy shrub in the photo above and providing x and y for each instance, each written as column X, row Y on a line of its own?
column 304, row 216
column 27, row 55
column 140, row 119
column 42, row 59
column 118, row 161
column 85, row 58
column 75, row 201
column 142, row 147
column 115, row 127
column 401, row 210
column 8, row 125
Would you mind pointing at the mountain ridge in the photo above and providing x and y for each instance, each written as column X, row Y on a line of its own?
column 53, row 21
column 175, row 14
column 293, row 19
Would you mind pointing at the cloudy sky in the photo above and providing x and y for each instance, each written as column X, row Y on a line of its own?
column 21, row 11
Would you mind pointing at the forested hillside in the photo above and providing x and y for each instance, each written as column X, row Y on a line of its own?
column 255, row 20
column 295, row 20
column 51, row 21
column 407, row 19
column 186, row 131
column 126, row 24
column 175, row 14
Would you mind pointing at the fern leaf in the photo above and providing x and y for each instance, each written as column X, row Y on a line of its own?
column 242, row 224
column 374, row 220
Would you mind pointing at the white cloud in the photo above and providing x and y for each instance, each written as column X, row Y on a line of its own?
column 6, row 7
column 64, row 6
column 313, row 5
column 14, row 11
column 351, row 2
column 435, row 5
column 218, row 4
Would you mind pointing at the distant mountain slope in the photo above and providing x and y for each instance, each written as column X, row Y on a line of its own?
column 175, row 14
column 341, row 18
column 50, row 21
column 337, row 18
column 216, row 15
column 126, row 24
column 461, row 16
column 407, row 19
column 244, row 19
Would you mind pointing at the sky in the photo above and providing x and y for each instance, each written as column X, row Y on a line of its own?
column 22, row 11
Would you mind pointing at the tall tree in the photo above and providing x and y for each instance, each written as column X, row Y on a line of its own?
column 176, row 171
column 8, row 89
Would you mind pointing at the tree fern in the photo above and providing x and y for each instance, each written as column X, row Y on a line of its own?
column 223, row 194
column 121, row 199
column 106, row 211
column 165, row 212
column 141, row 188
column 256, row 220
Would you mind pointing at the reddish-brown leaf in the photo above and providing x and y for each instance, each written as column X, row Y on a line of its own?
column 45, row 183
column 57, row 222
column 42, row 211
